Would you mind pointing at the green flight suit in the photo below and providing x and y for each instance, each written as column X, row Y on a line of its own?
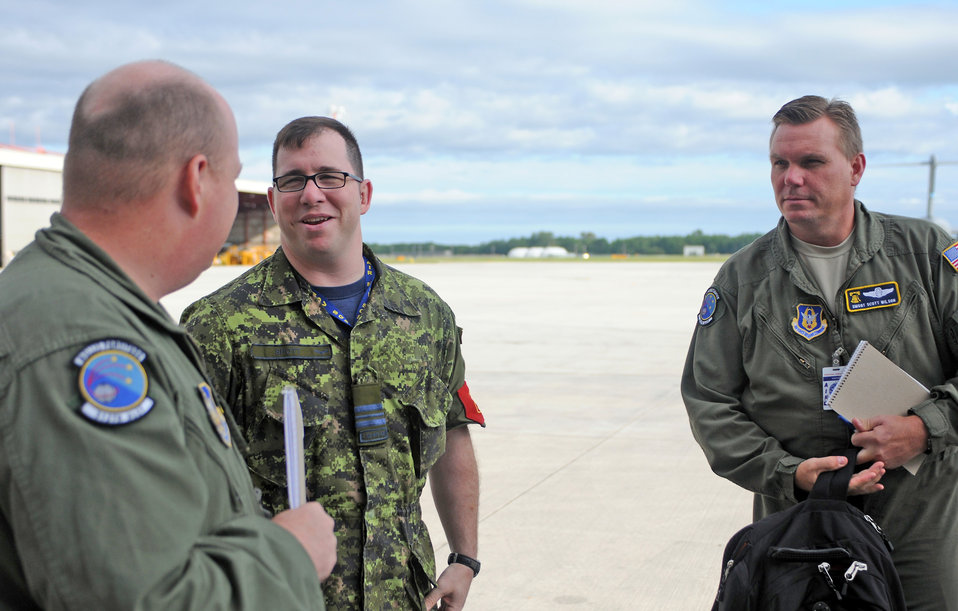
column 266, row 330
column 752, row 383
column 154, row 513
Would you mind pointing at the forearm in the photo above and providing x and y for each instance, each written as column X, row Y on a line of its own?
column 454, row 481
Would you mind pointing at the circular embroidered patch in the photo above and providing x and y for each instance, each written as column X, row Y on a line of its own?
column 709, row 305
column 114, row 384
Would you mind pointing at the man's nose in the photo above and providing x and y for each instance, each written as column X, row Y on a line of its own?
column 794, row 176
column 311, row 193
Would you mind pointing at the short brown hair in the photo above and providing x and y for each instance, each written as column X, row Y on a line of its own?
column 811, row 107
column 295, row 134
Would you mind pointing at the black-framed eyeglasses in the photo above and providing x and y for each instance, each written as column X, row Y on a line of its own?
column 323, row 180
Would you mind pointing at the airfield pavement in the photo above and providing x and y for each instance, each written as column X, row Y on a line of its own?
column 593, row 493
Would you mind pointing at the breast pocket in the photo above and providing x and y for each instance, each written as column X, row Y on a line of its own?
column 426, row 403
column 265, row 432
column 771, row 333
column 910, row 326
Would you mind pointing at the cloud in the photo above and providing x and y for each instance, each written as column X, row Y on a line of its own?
column 559, row 100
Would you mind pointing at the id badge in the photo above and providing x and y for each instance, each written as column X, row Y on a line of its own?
column 830, row 378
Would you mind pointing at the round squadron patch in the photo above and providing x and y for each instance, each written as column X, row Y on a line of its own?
column 113, row 382
column 709, row 305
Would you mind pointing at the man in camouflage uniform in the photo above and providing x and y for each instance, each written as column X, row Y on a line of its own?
column 374, row 356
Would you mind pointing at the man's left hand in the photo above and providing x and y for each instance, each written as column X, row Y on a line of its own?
column 452, row 587
column 892, row 439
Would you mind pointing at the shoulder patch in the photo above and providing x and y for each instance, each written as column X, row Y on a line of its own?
column 472, row 409
column 709, row 305
column 113, row 382
column 951, row 256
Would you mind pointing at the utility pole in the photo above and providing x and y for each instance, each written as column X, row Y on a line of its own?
column 932, row 165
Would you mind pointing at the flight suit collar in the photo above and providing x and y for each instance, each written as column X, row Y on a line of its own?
column 867, row 238
column 66, row 243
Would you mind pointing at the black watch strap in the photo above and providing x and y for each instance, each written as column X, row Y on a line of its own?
column 472, row 563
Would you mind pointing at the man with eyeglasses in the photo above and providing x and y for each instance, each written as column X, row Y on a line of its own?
column 374, row 356
column 122, row 485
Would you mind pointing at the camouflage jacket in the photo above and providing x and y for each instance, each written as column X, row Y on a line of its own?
column 266, row 330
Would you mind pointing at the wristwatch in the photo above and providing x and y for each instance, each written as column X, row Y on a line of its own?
column 472, row 563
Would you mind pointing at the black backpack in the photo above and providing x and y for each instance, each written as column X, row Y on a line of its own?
column 823, row 554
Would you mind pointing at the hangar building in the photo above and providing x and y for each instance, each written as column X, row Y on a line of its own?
column 31, row 188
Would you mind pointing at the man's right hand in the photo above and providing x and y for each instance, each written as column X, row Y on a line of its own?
column 313, row 528
column 865, row 481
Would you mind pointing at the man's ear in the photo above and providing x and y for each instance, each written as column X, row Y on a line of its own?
column 858, row 168
column 365, row 196
column 269, row 200
column 192, row 184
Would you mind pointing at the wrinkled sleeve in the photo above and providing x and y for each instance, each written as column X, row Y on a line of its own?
column 714, row 388
column 464, row 409
column 940, row 412
column 124, row 517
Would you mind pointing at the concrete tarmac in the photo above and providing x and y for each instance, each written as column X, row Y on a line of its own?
column 593, row 493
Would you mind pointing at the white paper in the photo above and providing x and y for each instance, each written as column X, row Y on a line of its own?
column 293, row 432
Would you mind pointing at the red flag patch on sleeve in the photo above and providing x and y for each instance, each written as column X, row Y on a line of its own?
column 472, row 410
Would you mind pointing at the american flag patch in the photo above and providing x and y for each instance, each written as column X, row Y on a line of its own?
column 951, row 255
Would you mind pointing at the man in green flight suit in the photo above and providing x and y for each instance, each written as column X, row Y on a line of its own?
column 375, row 357
column 121, row 482
column 786, row 312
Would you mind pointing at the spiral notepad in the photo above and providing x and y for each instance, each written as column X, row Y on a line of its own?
column 872, row 385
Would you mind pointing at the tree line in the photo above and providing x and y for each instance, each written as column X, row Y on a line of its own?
column 586, row 242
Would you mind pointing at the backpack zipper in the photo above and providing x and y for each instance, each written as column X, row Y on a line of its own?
column 881, row 533
column 728, row 567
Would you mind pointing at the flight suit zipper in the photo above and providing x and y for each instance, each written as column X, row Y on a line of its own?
column 781, row 340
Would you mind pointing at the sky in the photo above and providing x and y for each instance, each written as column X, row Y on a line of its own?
column 494, row 119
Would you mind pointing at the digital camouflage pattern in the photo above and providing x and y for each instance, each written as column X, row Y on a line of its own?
column 266, row 330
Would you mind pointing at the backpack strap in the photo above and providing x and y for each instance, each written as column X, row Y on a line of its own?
column 834, row 484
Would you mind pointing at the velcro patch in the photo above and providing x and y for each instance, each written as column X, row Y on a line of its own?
column 709, row 305
column 872, row 296
column 809, row 321
column 275, row 352
column 369, row 415
column 113, row 382
column 370, row 424
column 951, row 255
column 216, row 414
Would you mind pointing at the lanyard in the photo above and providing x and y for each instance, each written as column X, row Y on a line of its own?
column 335, row 313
